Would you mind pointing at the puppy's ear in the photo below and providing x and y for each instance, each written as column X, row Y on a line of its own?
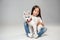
column 24, row 12
column 28, row 13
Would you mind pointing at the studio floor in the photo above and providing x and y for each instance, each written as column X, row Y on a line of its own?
column 18, row 33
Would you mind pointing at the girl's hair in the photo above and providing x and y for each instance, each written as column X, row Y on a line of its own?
column 33, row 8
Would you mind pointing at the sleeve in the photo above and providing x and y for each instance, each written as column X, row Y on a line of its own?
column 39, row 19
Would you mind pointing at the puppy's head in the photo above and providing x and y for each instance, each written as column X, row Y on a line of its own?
column 27, row 15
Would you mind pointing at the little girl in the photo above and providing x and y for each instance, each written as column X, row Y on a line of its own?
column 37, row 13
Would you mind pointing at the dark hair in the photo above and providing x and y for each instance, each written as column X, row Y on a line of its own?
column 33, row 8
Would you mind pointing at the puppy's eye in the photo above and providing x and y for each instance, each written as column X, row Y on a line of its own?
column 25, row 17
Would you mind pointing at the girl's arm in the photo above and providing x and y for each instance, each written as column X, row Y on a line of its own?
column 40, row 22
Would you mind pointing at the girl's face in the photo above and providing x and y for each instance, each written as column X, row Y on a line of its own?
column 35, row 12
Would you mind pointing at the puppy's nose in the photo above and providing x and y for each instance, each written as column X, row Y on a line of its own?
column 28, row 20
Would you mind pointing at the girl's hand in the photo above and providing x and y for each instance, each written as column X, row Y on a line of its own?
column 42, row 24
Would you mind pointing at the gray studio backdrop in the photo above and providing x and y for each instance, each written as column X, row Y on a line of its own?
column 11, row 11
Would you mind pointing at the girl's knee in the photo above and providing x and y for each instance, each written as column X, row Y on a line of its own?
column 39, row 28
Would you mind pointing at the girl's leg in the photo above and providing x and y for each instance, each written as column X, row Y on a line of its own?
column 42, row 31
column 26, row 28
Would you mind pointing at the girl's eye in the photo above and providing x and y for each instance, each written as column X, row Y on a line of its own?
column 28, row 16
